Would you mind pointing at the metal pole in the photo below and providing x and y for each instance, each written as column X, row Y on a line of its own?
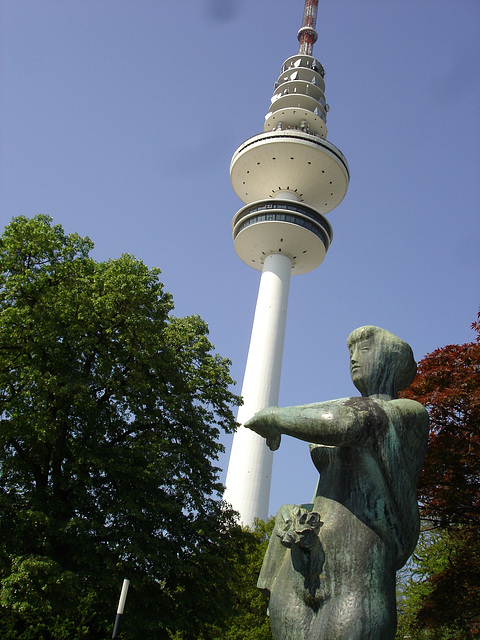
column 121, row 606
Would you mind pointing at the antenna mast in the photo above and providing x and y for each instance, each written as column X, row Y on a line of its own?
column 307, row 36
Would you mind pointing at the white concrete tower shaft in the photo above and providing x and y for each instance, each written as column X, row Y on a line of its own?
column 288, row 177
column 250, row 468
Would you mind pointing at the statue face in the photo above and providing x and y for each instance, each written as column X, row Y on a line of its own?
column 362, row 364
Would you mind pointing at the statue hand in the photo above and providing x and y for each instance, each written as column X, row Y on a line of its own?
column 262, row 424
column 274, row 443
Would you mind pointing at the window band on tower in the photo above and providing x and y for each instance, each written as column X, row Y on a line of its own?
column 293, row 213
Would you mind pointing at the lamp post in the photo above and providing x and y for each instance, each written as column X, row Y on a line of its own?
column 121, row 607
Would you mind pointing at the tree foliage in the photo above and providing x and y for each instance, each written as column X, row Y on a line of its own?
column 440, row 599
column 448, row 385
column 110, row 414
column 248, row 619
column 443, row 595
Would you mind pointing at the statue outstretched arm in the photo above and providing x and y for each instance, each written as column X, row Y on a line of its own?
column 335, row 422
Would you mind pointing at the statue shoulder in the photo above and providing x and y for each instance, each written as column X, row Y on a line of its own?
column 408, row 419
column 411, row 409
column 412, row 424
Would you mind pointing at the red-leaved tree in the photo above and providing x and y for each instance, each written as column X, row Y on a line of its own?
column 448, row 385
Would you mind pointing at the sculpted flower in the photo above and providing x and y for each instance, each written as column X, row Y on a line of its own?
column 301, row 529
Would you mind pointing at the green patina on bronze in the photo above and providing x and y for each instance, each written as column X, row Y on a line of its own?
column 330, row 566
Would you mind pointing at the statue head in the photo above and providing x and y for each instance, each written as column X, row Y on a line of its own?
column 380, row 363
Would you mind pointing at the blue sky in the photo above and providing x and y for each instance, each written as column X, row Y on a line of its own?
column 119, row 119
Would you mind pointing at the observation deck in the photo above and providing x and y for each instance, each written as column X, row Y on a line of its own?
column 286, row 227
column 306, row 165
column 289, row 176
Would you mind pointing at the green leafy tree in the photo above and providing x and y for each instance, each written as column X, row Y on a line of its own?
column 248, row 619
column 110, row 414
column 441, row 599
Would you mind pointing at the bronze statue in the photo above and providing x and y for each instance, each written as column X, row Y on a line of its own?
column 330, row 566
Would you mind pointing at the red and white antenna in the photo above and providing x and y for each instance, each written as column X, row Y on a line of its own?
column 307, row 36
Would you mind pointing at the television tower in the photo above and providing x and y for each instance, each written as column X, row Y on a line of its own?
column 289, row 176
